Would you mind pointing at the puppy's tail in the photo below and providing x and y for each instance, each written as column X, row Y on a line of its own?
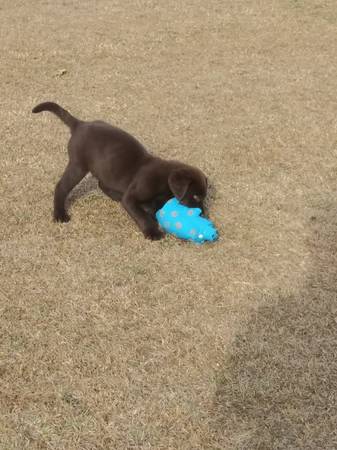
column 61, row 113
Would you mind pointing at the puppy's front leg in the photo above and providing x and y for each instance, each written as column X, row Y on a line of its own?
column 144, row 220
column 114, row 195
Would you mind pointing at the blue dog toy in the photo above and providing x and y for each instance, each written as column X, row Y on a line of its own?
column 185, row 223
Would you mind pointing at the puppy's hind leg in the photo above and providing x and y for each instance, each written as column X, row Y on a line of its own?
column 72, row 175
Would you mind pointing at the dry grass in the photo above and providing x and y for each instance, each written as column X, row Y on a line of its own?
column 112, row 342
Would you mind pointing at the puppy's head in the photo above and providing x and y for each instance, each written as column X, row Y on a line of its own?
column 189, row 186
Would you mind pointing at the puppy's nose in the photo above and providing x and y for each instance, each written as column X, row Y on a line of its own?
column 203, row 210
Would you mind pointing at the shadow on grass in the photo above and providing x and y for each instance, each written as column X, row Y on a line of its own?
column 86, row 187
column 278, row 389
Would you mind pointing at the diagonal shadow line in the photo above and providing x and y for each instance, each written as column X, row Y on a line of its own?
column 278, row 387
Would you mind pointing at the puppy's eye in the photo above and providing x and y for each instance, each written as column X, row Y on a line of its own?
column 196, row 198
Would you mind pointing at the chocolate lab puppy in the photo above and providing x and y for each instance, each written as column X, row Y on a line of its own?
column 125, row 170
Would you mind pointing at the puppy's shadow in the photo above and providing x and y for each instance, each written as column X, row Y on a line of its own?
column 211, row 192
column 86, row 187
column 210, row 198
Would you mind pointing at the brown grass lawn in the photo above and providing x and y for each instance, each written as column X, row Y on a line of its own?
column 109, row 341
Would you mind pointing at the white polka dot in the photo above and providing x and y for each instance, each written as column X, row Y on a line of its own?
column 162, row 213
column 190, row 212
column 178, row 225
column 200, row 236
column 174, row 214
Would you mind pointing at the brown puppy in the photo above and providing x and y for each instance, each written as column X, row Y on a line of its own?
column 125, row 170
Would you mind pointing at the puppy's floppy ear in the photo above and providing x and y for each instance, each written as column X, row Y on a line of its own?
column 178, row 181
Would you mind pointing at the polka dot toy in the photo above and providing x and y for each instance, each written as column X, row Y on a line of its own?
column 185, row 223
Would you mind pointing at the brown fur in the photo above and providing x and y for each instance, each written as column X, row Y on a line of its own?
column 126, row 172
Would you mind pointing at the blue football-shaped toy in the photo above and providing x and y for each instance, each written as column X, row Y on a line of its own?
column 185, row 223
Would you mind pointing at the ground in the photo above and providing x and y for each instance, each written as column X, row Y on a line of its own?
column 109, row 341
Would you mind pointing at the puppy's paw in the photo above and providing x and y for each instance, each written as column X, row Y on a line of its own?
column 154, row 234
column 61, row 216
